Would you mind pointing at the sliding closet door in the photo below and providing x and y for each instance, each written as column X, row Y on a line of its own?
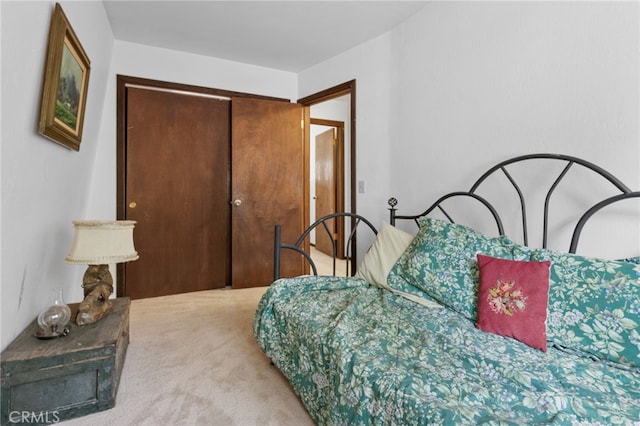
column 267, row 186
column 177, row 189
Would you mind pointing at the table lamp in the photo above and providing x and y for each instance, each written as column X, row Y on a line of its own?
column 98, row 244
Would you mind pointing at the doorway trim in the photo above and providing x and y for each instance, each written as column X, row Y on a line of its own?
column 338, row 165
column 347, row 88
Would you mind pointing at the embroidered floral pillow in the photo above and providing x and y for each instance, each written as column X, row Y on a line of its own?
column 512, row 299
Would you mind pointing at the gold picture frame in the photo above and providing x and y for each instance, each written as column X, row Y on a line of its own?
column 66, row 80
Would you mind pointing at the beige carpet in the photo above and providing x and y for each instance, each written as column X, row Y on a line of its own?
column 192, row 360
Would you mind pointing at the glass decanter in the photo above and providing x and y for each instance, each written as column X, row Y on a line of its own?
column 52, row 320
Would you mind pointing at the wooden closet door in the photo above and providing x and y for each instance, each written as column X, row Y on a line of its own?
column 267, row 187
column 177, row 189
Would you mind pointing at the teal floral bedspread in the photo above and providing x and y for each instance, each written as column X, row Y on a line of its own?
column 359, row 354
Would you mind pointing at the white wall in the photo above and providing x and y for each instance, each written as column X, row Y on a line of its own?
column 370, row 65
column 44, row 185
column 479, row 82
column 461, row 86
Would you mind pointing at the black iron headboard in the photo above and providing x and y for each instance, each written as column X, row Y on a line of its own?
column 569, row 162
column 575, row 238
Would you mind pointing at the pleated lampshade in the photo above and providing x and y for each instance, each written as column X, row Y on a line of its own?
column 102, row 242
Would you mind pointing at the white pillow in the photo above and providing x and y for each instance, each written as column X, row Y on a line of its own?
column 389, row 245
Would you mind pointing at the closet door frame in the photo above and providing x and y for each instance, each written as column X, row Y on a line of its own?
column 122, row 82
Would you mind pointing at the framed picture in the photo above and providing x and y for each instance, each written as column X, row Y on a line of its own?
column 66, row 79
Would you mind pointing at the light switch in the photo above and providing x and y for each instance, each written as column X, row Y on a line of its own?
column 361, row 186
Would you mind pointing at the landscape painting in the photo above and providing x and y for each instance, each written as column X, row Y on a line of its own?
column 69, row 89
column 66, row 79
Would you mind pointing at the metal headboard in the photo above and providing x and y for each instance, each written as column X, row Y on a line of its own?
column 321, row 223
column 569, row 161
column 593, row 210
column 438, row 205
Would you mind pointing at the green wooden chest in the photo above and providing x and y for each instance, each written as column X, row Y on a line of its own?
column 47, row 381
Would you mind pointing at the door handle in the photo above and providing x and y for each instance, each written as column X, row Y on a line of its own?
column 236, row 202
column 133, row 205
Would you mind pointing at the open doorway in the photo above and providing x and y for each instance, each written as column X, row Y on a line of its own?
column 330, row 139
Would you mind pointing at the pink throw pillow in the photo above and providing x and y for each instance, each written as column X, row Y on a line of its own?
column 512, row 299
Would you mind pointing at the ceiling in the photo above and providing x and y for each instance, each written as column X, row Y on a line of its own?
column 285, row 35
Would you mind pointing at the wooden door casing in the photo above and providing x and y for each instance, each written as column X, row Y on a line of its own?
column 329, row 184
column 177, row 189
column 345, row 89
column 267, row 164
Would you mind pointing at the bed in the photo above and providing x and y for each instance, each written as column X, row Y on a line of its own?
column 450, row 325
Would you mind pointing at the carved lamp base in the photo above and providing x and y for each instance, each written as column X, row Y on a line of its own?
column 98, row 286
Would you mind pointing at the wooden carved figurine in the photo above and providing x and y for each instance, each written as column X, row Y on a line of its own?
column 98, row 286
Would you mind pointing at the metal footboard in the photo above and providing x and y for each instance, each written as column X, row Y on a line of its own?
column 321, row 224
